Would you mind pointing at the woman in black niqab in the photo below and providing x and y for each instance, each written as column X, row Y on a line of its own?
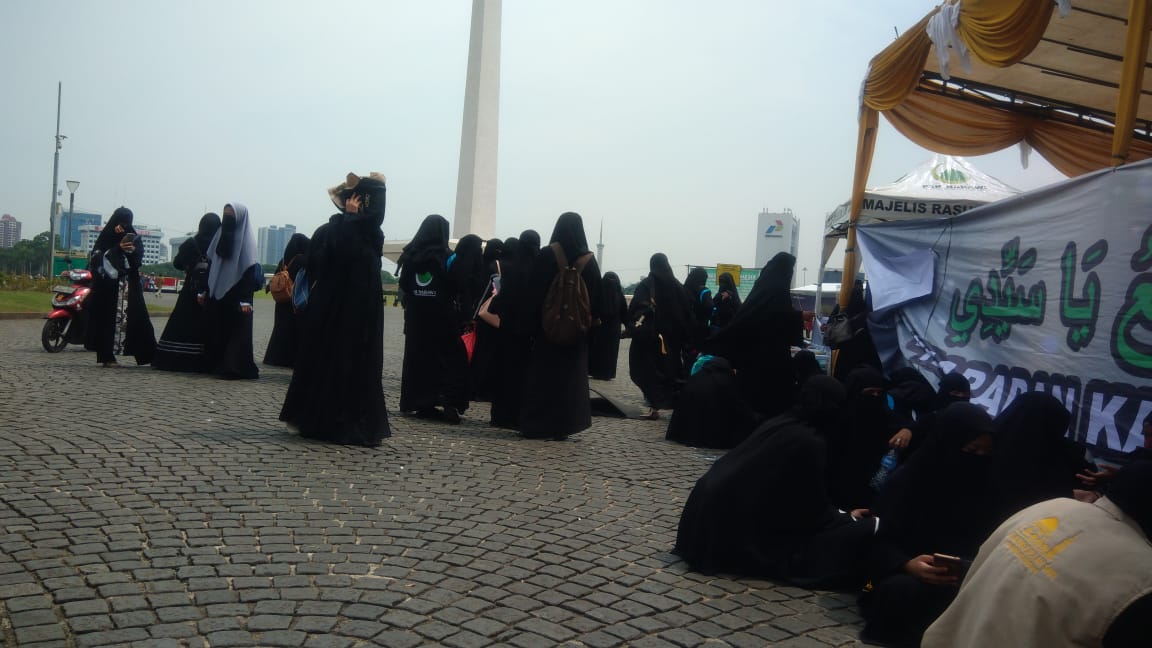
column 604, row 351
column 285, row 339
column 860, row 350
column 762, row 509
column 861, row 440
column 118, row 321
column 181, row 346
column 660, row 322
column 482, row 367
column 725, row 303
column 940, row 501
column 1034, row 459
column 758, row 341
column 513, row 349
column 336, row 393
column 709, row 412
column 556, row 403
column 700, row 297
column 433, row 382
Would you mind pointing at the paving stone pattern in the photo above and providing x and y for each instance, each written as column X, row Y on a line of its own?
column 143, row 508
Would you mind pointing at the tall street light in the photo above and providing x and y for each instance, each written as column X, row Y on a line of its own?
column 55, row 172
column 73, row 185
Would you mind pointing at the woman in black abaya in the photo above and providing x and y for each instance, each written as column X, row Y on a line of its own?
column 484, row 357
column 435, row 362
column 762, row 510
column 512, row 347
column 181, row 347
column 233, row 276
column 725, row 303
column 336, row 394
column 660, row 322
column 556, row 403
column 758, row 341
column 709, row 412
column 861, row 440
column 118, row 322
column 700, row 296
column 285, row 338
column 860, row 350
column 941, row 501
column 604, row 350
column 1034, row 460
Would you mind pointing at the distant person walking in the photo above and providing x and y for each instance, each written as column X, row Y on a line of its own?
column 660, row 321
column 285, row 339
column 726, row 302
column 604, row 351
column 234, row 275
column 118, row 322
column 181, row 347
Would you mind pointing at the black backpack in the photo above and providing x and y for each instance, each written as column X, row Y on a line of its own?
column 567, row 313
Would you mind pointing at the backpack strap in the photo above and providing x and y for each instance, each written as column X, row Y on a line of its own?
column 561, row 258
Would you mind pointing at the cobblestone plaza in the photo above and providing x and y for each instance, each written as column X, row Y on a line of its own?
column 143, row 508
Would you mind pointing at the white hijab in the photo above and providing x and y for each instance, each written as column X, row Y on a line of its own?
column 223, row 274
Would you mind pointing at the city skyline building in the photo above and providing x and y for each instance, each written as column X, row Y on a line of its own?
column 9, row 230
column 151, row 238
column 79, row 219
column 271, row 241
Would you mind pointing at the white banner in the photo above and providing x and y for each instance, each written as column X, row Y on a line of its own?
column 1048, row 291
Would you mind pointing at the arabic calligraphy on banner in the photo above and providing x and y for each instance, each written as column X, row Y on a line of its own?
column 1048, row 292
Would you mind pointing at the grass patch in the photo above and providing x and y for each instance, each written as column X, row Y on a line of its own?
column 40, row 301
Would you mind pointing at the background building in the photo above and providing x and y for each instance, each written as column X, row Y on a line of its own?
column 271, row 242
column 152, row 238
column 9, row 231
column 776, row 232
column 79, row 220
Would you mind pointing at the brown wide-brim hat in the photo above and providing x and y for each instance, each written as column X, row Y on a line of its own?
column 340, row 192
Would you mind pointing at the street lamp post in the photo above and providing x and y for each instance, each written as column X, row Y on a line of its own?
column 804, row 270
column 55, row 173
column 73, row 185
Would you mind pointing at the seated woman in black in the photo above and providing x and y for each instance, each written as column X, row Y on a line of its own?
column 762, row 509
column 939, row 502
column 709, row 412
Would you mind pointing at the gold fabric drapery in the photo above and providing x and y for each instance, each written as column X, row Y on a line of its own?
column 1001, row 33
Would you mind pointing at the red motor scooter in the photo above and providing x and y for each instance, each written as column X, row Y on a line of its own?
column 68, row 319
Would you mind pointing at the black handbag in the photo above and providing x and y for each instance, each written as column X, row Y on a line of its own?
column 839, row 330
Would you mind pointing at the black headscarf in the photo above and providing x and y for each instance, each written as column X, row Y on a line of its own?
column 613, row 297
column 109, row 238
column 429, row 244
column 209, row 223
column 1034, row 461
column 696, row 282
column 726, row 282
column 673, row 310
column 806, row 366
column 912, row 392
column 493, row 252
column 530, row 243
column 468, row 272
column 296, row 248
column 949, row 383
column 569, row 233
column 772, row 290
column 1131, row 490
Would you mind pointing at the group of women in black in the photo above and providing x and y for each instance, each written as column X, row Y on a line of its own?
column 210, row 329
column 495, row 293
column 878, row 484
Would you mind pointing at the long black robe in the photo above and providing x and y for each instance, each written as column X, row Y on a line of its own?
column 860, row 350
column 285, row 338
column 725, row 303
column 118, row 321
column 660, row 320
column 557, row 402
column 181, row 346
column 435, row 362
column 234, row 275
column 700, row 297
column 1034, row 460
column 513, row 348
column 709, row 412
column 604, row 350
column 336, row 393
column 762, row 510
column 860, row 441
column 940, row 501
column 483, row 369
column 758, row 341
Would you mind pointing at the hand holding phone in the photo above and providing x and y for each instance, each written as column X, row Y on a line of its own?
column 954, row 564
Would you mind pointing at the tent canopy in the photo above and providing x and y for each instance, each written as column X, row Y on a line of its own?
column 978, row 76
column 941, row 187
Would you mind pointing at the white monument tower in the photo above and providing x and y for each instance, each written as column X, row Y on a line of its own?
column 476, row 184
column 600, row 247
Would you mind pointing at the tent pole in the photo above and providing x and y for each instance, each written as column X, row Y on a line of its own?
column 1131, row 78
column 865, row 147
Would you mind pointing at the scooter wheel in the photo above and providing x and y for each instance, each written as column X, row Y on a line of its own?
column 52, row 337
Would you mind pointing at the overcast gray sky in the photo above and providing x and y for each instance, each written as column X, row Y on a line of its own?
column 673, row 121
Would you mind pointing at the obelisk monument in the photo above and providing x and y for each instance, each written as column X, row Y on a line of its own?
column 479, row 137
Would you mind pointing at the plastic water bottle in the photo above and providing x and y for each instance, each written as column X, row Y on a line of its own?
column 886, row 465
